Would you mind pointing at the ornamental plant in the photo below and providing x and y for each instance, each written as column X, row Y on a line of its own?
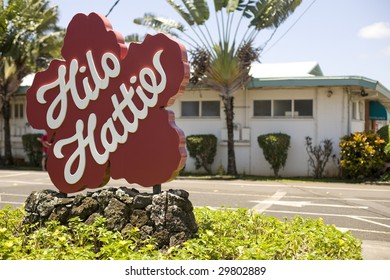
column 362, row 155
column 223, row 235
column 33, row 148
column 318, row 155
column 202, row 148
column 384, row 133
column 275, row 149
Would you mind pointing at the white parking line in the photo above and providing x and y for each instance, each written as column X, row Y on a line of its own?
column 332, row 187
column 14, row 194
column 325, row 214
column 300, row 204
column 369, row 221
column 17, row 182
column 11, row 203
column 267, row 203
column 362, row 230
column 15, row 174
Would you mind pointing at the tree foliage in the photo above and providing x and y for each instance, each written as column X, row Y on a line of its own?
column 29, row 38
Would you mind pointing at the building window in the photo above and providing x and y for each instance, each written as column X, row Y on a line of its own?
column 262, row 108
column 200, row 109
column 282, row 108
column 19, row 111
column 303, row 108
column 299, row 108
column 190, row 109
column 357, row 110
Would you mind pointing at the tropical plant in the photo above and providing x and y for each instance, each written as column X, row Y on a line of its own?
column 275, row 149
column 29, row 38
column 33, row 148
column 221, row 61
column 318, row 155
column 362, row 155
column 384, row 133
column 223, row 235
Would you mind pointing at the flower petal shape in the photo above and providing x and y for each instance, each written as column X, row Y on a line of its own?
column 104, row 107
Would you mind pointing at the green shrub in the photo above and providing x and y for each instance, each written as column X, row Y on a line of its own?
column 275, row 149
column 318, row 155
column 33, row 148
column 242, row 235
column 202, row 148
column 384, row 133
column 362, row 155
column 223, row 235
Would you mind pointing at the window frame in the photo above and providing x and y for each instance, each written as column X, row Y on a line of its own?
column 200, row 109
column 288, row 114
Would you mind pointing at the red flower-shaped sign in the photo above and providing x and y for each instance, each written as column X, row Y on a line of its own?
column 103, row 106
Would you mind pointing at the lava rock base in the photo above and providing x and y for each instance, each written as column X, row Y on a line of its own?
column 167, row 216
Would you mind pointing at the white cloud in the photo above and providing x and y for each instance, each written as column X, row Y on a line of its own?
column 378, row 30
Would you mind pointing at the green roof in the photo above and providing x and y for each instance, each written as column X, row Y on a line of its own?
column 383, row 94
column 317, row 81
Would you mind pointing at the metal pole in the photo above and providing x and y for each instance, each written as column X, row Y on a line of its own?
column 157, row 189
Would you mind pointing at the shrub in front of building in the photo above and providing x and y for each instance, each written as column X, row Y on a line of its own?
column 384, row 133
column 202, row 148
column 362, row 155
column 33, row 148
column 275, row 149
column 318, row 155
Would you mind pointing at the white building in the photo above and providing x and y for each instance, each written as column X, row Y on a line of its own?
column 292, row 98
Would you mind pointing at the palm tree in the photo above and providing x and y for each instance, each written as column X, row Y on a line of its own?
column 29, row 38
column 222, row 62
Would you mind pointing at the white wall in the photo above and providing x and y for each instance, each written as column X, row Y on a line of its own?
column 330, row 120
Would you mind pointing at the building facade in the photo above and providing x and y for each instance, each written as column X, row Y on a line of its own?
column 311, row 104
column 301, row 103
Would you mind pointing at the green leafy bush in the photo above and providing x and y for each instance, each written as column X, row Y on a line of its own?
column 202, row 148
column 223, row 234
column 241, row 234
column 362, row 155
column 318, row 155
column 275, row 149
column 384, row 133
column 33, row 148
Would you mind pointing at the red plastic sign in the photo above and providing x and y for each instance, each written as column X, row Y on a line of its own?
column 103, row 106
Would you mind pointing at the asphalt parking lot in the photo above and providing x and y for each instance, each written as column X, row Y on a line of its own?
column 362, row 209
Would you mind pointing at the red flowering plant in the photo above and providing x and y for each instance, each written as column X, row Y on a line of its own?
column 104, row 107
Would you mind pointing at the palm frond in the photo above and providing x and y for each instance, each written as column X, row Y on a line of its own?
column 160, row 24
column 185, row 15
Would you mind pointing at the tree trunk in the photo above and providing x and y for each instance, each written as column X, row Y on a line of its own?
column 229, row 112
column 8, row 159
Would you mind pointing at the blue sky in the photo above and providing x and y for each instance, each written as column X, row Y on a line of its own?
column 346, row 37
